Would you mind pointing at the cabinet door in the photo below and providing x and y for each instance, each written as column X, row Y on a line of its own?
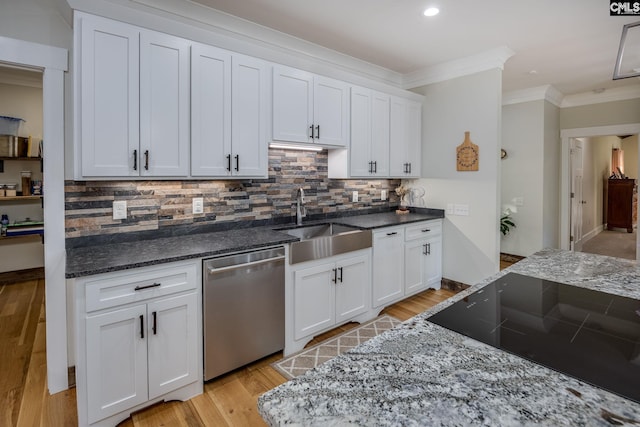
column 249, row 96
column 413, row 138
column 292, row 104
column 398, row 154
column 388, row 266
column 331, row 112
column 108, row 111
column 415, row 264
column 173, row 342
column 360, row 152
column 116, row 358
column 314, row 300
column 380, row 104
column 433, row 262
column 164, row 105
column 352, row 295
column 210, row 111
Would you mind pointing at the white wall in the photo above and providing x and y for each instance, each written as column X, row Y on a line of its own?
column 551, row 177
column 630, row 147
column 471, row 103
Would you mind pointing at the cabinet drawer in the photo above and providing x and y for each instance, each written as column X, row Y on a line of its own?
column 423, row 230
column 114, row 289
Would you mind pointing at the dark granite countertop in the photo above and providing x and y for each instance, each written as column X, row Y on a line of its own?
column 113, row 256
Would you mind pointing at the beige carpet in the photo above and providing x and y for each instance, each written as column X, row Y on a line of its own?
column 311, row 357
column 619, row 244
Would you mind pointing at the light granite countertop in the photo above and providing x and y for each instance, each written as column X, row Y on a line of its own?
column 420, row 374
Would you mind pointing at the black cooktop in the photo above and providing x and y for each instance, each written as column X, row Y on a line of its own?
column 590, row 335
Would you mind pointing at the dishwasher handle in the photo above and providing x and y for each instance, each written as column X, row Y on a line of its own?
column 211, row 270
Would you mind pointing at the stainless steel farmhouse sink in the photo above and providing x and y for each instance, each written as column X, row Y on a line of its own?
column 325, row 240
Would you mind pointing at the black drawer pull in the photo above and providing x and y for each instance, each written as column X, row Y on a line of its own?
column 392, row 234
column 340, row 278
column 311, row 129
column 140, row 288
column 426, row 230
column 135, row 160
column 229, row 162
column 335, row 275
column 237, row 162
column 146, row 160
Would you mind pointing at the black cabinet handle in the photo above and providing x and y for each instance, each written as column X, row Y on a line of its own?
column 229, row 162
column 424, row 249
column 427, row 249
column 237, row 162
column 340, row 278
column 426, row 230
column 146, row 160
column 141, row 327
column 409, row 167
column 392, row 233
column 140, row 288
column 317, row 131
column 370, row 167
column 335, row 275
column 155, row 323
column 404, row 165
column 375, row 167
column 311, row 129
column 135, row 160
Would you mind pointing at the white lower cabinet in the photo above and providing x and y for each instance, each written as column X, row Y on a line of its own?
column 139, row 340
column 406, row 260
column 326, row 293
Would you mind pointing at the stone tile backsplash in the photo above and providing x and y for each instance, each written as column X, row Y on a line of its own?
column 153, row 205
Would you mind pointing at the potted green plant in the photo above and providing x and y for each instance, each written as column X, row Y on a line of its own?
column 506, row 222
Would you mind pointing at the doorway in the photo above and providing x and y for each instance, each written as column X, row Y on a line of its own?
column 583, row 216
column 53, row 63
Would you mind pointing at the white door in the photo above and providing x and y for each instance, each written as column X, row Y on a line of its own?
column 173, row 343
column 576, row 195
column 413, row 138
column 388, row 266
column 164, row 105
column 398, row 156
column 292, row 104
column 210, row 111
column 360, row 152
column 314, row 299
column 109, row 103
column 352, row 297
column 433, row 262
column 116, row 361
column 249, row 94
column 380, row 105
column 331, row 112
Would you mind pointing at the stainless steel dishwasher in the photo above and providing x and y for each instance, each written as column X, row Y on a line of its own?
column 243, row 309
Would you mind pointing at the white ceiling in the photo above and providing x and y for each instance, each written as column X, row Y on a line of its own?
column 569, row 44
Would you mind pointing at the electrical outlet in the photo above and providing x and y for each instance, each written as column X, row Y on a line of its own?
column 354, row 196
column 461, row 210
column 120, row 209
column 383, row 195
column 198, row 205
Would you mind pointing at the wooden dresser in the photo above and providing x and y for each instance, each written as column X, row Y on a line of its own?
column 620, row 204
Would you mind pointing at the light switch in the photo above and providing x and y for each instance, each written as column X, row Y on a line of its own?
column 462, row 210
column 198, row 205
column 354, row 196
column 120, row 209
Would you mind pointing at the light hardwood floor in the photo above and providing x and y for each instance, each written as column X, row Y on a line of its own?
column 230, row 400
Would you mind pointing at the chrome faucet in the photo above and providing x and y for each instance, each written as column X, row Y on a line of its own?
column 301, row 211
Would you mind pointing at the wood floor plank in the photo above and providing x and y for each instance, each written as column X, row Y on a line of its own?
column 207, row 410
column 237, row 405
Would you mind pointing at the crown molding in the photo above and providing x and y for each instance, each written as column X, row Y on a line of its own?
column 546, row 92
column 487, row 60
column 609, row 95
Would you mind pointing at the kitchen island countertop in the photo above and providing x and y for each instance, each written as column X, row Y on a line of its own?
column 104, row 258
column 420, row 374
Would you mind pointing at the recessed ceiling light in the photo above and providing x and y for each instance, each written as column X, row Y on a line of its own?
column 432, row 11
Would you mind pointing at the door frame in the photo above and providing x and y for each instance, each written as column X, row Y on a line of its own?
column 575, row 205
column 53, row 62
column 565, row 170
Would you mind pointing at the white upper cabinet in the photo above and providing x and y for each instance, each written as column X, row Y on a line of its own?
column 164, row 105
column 210, row 111
column 369, row 133
column 133, row 111
column 229, row 105
column 108, row 107
column 405, row 143
column 309, row 108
